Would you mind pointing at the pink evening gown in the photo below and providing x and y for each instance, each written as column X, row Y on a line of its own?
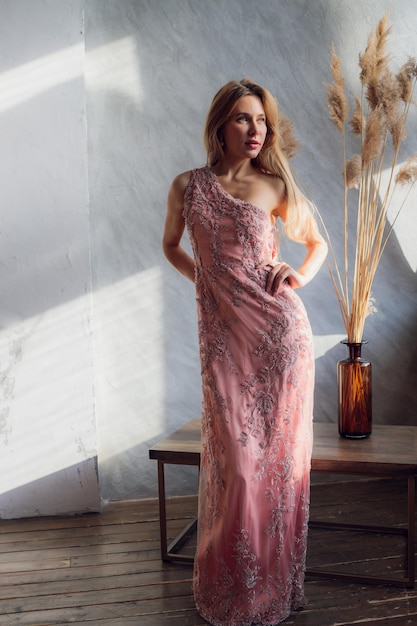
column 258, row 379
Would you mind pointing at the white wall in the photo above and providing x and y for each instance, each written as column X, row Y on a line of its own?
column 151, row 68
column 48, row 458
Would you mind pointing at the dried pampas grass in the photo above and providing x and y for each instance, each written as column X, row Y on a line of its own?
column 353, row 170
column 336, row 99
column 357, row 121
column 407, row 174
column 287, row 141
column 379, row 115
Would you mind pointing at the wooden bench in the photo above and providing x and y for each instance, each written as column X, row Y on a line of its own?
column 391, row 451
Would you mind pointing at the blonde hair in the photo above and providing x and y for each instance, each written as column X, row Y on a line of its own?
column 274, row 157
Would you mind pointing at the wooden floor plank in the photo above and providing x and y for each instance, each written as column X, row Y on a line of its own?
column 105, row 569
column 98, row 570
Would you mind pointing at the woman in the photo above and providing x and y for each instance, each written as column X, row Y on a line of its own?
column 256, row 360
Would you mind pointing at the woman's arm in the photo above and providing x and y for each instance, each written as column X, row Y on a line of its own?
column 314, row 259
column 174, row 228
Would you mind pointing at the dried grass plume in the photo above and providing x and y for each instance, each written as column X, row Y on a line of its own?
column 287, row 141
column 378, row 123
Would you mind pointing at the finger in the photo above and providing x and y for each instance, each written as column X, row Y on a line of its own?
column 270, row 283
column 282, row 276
column 276, row 283
column 279, row 279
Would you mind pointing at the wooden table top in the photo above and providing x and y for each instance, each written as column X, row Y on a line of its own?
column 391, row 449
column 182, row 446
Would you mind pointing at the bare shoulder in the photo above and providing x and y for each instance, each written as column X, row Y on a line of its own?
column 180, row 182
column 177, row 190
column 276, row 184
column 278, row 194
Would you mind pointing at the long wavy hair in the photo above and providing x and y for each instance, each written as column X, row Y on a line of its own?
column 278, row 148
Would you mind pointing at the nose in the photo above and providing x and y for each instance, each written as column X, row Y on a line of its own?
column 254, row 127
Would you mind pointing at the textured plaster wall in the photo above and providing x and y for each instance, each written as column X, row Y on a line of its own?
column 152, row 69
column 103, row 102
column 48, row 458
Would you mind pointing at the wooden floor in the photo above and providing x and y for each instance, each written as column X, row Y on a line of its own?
column 104, row 569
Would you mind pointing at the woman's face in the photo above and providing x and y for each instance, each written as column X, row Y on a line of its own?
column 245, row 131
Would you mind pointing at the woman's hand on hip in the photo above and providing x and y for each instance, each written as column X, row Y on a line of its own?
column 283, row 273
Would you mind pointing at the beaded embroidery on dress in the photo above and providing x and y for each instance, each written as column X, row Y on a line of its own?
column 258, row 377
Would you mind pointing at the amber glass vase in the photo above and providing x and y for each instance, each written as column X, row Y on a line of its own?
column 354, row 384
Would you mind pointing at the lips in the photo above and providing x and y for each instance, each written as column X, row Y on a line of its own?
column 253, row 144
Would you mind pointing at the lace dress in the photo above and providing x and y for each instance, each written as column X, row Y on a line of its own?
column 258, row 376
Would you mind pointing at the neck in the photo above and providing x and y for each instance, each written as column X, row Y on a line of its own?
column 233, row 168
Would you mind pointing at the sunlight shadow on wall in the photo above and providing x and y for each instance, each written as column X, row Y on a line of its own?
column 324, row 343
column 47, row 427
column 31, row 79
column 47, row 423
column 128, row 337
column 405, row 228
column 113, row 66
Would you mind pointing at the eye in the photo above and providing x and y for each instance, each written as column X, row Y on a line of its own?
column 243, row 118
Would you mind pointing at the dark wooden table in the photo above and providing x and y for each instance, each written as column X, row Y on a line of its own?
column 390, row 451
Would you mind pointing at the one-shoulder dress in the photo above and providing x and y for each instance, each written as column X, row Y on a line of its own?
column 257, row 371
